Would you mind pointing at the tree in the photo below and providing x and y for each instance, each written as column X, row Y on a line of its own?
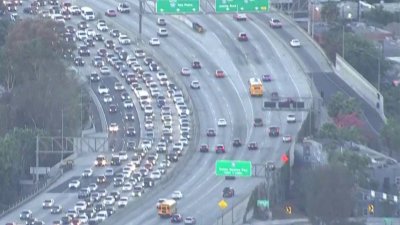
column 340, row 104
column 365, row 57
column 31, row 60
column 356, row 164
column 329, row 130
column 390, row 134
column 381, row 16
column 329, row 12
column 392, row 99
column 16, row 157
column 328, row 194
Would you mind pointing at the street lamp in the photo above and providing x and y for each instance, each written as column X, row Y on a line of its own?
column 314, row 8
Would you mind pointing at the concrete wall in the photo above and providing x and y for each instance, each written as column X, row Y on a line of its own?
column 360, row 85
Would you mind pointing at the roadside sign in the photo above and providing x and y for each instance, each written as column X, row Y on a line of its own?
column 177, row 6
column 263, row 203
column 388, row 221
column 288, row 209
column 233, row 168
column 222, row 204
column 223, row 6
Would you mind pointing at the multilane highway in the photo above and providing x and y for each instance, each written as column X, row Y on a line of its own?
column 229, row 98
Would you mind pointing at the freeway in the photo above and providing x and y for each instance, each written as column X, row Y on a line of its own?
column 324, row 77
column 228, row 98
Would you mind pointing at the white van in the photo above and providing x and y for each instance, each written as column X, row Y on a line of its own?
column 87, row 13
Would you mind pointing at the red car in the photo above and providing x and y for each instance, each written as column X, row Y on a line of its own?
column 219, row 74
column 220, row 149
column 111, row 13
column 204, row 148
column 242, row 37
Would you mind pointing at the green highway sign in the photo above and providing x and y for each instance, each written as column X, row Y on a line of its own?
column 233, row 168
column 263, row 203
column 177, row 6
column 223, row 6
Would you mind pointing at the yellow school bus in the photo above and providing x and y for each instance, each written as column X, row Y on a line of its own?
column 256, row 87
column 167, row 208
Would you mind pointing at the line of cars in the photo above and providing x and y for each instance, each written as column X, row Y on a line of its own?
column 90, row 192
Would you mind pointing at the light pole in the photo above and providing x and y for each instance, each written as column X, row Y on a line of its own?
column 314, row 8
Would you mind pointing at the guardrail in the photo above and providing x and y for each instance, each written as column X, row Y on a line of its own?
column 360, row 85
column 234, row 215
column 37, row 191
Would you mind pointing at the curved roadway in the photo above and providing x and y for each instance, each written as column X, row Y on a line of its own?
column 228, row 97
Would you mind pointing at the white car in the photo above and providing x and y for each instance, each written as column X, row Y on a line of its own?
column 81, row 35
column 127, row 187
column 113, row 127
column 72, row 213
column 156, row 175
column 291, row 118
column 87, row 173
column 74, row 184
column 165, row 163
column 128, row 103
column 105, row 70
column 83, row 218
column 178, row 145
column 148, row 125
column 221, row 122
column 195, row 84
column 122, row 202
column 177, row 195
column 101, row 216
column 184, row 141
column 109, row 172
column 123, row 156
column 109, row 200
column 162, row 32
column 80, row 206
column 124, row 40
column 107, row 98
column 90, row 32
column 146, row 144
column 102, row 27
column 154, row 42
column 102, row 89
column 74, row 10
column 295, row 43
column 118, row 86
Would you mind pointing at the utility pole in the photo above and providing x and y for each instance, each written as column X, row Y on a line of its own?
column 140, row 18
column 343, row 41
column 62, row 133
column 37, row 162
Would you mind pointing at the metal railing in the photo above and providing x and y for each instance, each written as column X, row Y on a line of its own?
column 39, row 189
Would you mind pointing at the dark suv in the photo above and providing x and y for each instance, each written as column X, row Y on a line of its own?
column 258, row 122
column 237, row 143
column 273, row 131
column 228, row 192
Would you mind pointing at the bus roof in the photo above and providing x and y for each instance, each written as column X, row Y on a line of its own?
column 168, row 202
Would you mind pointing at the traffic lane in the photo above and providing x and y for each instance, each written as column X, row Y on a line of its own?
column 231, row 86
column 265, row 61
column 35, row 205
column 291, row 66
column 329, row 83
column 177, row 68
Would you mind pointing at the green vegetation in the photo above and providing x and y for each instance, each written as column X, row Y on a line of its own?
column 326, row 194
column 38, row 96
column 340, row 104
column 382, row 17
column 340, row 135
